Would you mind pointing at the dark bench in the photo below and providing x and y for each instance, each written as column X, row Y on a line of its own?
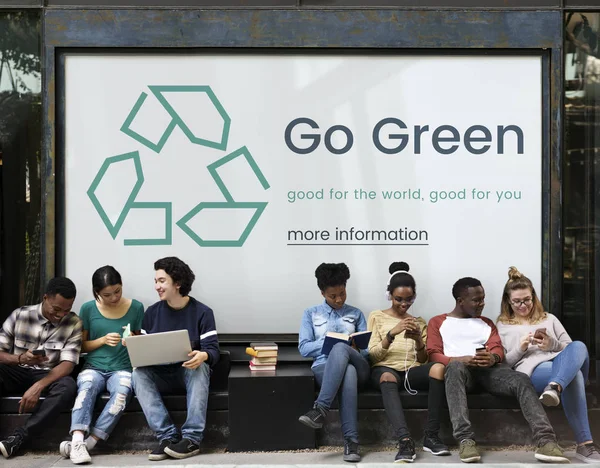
column 132, row 432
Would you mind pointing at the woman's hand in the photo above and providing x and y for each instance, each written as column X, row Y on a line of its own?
column 112, row 339
column 547, row 343
column 526, row 341
column 408, row 323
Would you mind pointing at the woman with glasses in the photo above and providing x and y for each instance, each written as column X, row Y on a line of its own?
column 399, row 359
column 538, row 345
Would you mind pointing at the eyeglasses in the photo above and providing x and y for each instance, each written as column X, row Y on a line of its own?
column 408, row 300
column 519, row 303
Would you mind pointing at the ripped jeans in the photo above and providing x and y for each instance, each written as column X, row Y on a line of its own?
column 90, row 384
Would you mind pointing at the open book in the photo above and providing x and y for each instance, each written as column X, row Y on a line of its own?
column 361, row 339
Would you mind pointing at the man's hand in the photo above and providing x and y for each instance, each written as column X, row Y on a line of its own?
column 31, row 359
column 526, row 341
column 112, row 339
column 197, row 358
column 30, row 398
column 484, row 359
column 467, row 360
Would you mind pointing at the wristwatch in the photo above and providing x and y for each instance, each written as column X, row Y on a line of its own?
column 389, row 337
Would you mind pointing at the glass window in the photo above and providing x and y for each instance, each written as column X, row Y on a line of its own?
column 581, row 174
column 20, row 153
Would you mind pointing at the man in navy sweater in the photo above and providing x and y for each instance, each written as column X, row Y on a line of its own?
column 176, row 310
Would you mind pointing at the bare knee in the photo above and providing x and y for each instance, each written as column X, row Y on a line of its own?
column 387, row 377
column 437, row 371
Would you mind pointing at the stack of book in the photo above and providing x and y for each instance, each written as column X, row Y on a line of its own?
column 264, row 356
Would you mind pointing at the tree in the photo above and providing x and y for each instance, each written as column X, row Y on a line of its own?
column 19, row 46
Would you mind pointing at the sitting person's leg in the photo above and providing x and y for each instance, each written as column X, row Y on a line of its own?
column 565, row 367
column 570, row 371
column 329, row 377
column 14, row 380
column 504, row 381
column 431, row 377
column 196, row 383
column 340, row 356
column 389, row 381
column 148, row 383
column 353, row 378
column 120, row 388
column 90, row 383
column 459, row 380
column 58, row 396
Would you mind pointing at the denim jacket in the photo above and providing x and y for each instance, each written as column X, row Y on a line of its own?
column 320, row 319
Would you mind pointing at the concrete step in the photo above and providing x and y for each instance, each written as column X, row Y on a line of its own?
column 372, row 458
column 492, row 427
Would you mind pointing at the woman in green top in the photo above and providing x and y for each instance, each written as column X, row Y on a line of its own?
column 107, row 366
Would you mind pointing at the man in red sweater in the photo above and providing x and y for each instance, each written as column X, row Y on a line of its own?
column 470, row 348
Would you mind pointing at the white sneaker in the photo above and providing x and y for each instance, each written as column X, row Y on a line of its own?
column 550, row 396
column 65, row 448
column 79, row 453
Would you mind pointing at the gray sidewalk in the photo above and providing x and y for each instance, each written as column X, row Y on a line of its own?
column 371, row 459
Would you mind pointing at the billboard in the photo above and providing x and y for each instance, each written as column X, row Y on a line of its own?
column 255, row 168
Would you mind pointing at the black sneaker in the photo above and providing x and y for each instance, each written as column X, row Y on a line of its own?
column 313, row 419
column 11, row 445
column 433, row 444
column 184, row 449
column 159, row 453
column 406, row 452
column 351, row 451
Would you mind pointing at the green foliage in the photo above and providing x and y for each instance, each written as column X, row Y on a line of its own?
column 20, row 45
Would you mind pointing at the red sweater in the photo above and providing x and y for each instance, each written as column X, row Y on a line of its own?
column 435, row 340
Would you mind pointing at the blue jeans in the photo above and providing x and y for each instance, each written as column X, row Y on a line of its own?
column 343, row 372
column 570, row 369
column 90, row 383
column 149, row 382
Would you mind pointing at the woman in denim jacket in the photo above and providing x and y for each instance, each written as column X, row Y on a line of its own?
column 344, row 369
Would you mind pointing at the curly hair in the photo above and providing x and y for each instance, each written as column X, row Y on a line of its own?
column 401, row 279
column 179, row 272
column 332, row 274
column 517, row 280
column 61, row 285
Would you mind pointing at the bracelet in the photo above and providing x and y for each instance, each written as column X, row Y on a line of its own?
column 389, row 337
column 19, row 359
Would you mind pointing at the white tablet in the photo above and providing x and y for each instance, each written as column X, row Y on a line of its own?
column 159, row 348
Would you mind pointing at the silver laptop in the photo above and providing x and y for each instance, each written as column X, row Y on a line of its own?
column 159, row 348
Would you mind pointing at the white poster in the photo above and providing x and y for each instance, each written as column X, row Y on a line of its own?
column 254, row 169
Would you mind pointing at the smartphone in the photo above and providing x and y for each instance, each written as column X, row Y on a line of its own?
column 412, row 332
column 39, row 352
column 540, row 333
column 482, row 348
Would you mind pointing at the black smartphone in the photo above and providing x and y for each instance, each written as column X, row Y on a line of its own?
column 482, row 348
column 39, row 352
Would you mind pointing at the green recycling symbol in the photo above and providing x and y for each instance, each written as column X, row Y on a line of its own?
column 132, row 203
